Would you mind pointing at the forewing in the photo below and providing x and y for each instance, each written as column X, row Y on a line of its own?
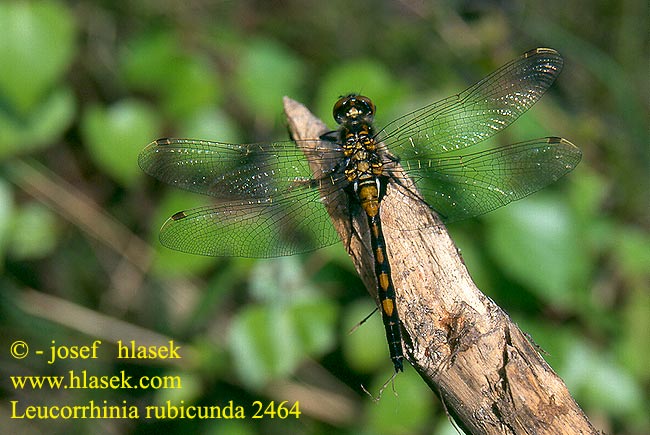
column 231, row 171
column 478, row 112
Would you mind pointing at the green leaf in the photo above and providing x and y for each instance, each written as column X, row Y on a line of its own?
column 148, row 60
column 279, row 281
column 266, row 72
column 36, row 47
column 35, row 232
column 263, row 344
column 40, row 127
column 269, row 340
column 365, row 349
column 194, row 87
column 156, row 63
column 406, row 411
column 631, row 246
column 632, row 254
column 115, row 135
column 314, row 323
column 600, row 383
column 536, row 242
column 211, row 124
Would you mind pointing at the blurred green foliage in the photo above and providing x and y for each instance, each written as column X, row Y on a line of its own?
column 36, row 48
column 84, row 86
column 111, row 134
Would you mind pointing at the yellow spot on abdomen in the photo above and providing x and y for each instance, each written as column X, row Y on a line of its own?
column 387, row 306
column 379, row 253
column 383, row 281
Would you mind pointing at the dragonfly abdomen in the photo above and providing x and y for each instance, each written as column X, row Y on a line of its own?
column 368, row 193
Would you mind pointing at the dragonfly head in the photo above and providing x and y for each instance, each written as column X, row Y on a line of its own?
column 354, row 108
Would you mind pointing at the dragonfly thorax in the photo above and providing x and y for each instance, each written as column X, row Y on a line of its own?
column 362, row 161
column 362, row 158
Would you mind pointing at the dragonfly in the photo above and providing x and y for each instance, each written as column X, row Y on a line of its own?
column 269, row 201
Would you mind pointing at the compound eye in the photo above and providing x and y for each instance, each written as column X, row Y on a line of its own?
column 341, row 108
column 352, row 107
column 367, row 102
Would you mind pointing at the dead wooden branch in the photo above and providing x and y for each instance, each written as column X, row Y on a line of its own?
column 462, row 344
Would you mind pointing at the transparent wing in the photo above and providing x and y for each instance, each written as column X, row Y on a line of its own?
column 477, row 113
column 231, row 171
column 267, row 201
column 462, row 186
